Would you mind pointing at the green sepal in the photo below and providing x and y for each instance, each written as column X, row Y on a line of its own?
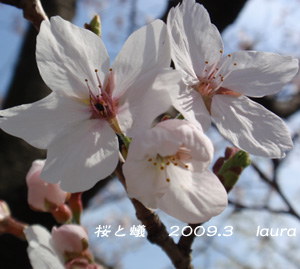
column 94, row 25
column 231, row 167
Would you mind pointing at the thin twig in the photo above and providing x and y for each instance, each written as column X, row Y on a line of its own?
column 32, row 10
column 258, row 208
column 275, row 186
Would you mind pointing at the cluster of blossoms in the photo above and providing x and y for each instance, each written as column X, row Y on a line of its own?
column 167, row 164
column 66, row 247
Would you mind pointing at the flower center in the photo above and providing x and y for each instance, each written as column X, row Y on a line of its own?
column 102, row 104
column 181, row 159
column 211, row 80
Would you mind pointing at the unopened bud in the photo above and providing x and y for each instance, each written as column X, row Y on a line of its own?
column 70, row 237
column 229, row 168
column 43, row 196
column 94, row 25
column 81, row 263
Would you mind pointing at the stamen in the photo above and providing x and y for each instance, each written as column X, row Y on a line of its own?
column 89, row 88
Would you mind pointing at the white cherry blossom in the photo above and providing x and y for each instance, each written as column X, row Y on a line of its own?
column 167, row 168
column 90, row 101
column 41, row 250
column 216, row 84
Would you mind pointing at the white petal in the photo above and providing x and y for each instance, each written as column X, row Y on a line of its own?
column 258, row 73
column 190, row 104
column 250, row 126
column 155, row 141
column 144, row 181
column 41, row 251
column 67, row 55
column 150, row 96
column 193, row 197
column 194, row 39
column 192, row 138
column 82, row 155
column 145, row 49
column 40, row 122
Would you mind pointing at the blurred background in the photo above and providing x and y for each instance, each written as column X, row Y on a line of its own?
column 267, row 194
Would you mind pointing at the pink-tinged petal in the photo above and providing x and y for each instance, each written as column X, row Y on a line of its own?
column 190, row 104
column 41, row 251
column 250, row 126
column 192, row 138
column 67, row 55
column 193, row 197
column 40, row 122
column 144, row 181
column 81, row 263
column 81, row 155
column 257, row 74
column 41, row 194
column 145, row 49
column 70, row 238
column 194, row 40
column 150, row 96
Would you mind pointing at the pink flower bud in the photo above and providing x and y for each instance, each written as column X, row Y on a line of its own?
column 70, row 239
column 80, row 263
column 43, row 196
column 4, row 211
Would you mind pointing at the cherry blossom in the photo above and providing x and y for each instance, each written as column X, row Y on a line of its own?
column 216, row 84
column 90, row 101
column 167, row 168
column 65, row 247
column 41, row 251
column 70, row 238
column 42, row 195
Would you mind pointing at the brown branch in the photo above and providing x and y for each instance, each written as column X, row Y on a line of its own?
column 32, row 10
